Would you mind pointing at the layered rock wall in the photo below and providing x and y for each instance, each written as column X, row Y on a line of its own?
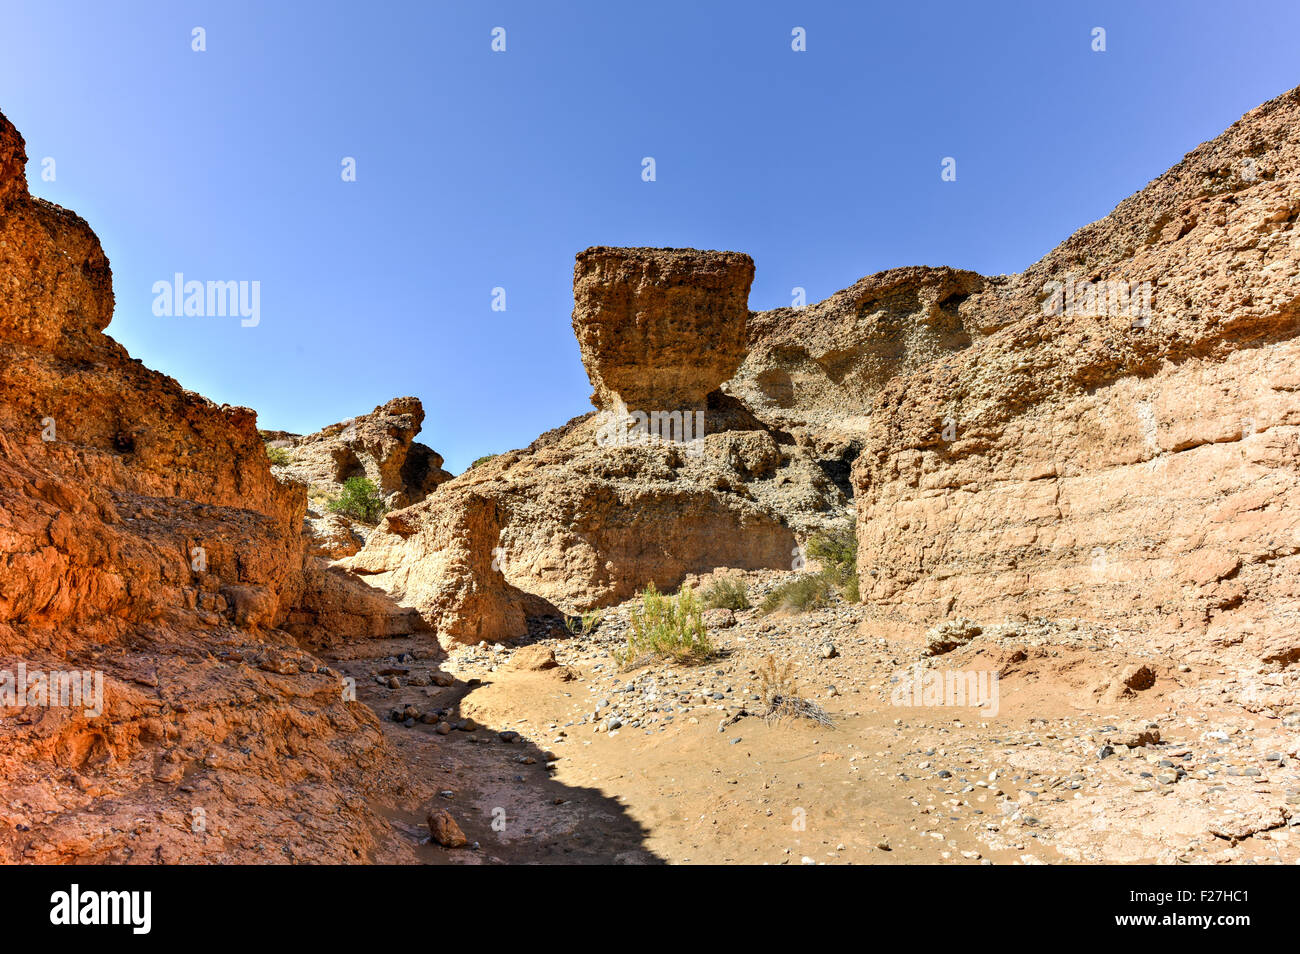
column 1120, row 443
column 144, row 540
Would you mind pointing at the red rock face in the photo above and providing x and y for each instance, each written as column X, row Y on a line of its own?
column 1128, row 468
column 143, row 537
column 13, row 164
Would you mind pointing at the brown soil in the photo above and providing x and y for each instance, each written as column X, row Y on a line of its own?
column 705, row 784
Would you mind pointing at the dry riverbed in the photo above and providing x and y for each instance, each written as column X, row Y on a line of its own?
column 549, row 751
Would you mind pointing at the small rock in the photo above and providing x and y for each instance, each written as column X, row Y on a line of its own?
column 445, row 831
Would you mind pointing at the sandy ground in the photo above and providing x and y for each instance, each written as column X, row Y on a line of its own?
column 677, row 764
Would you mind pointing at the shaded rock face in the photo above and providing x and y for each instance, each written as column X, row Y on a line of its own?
column 143, row 538
column 659, row 329
column 441, row 561
column 577, row 520
column 1133, row 465
column 380, row 445
column 816, row 370
column 567, row 524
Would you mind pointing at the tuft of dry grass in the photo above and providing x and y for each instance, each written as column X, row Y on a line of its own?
column 780, row 693
column 806, row 592
column 726, row 593
column 585, row 624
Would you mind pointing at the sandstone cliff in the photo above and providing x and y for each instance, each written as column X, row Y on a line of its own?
column 143, row 537
column 1115, row 451
column 609, row 503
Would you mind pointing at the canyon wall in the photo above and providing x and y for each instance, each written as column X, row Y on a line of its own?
column 144, row 538
column 816, row 369
column 596, row 510
column 1119, row 443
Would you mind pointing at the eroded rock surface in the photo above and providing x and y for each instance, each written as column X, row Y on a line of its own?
column 1137, row 468
column 380, row 446
column 817, row 369
column 573, row 524
column 143, row 538
column 660, row 328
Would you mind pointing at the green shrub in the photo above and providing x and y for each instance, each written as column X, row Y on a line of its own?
column 837, row 552
column 585, row 624
column 483, row 460
column 726, row 593
column 667, row 627
column 278, row 456
column 359, row 500
column 807, row 592
column 850, row 589
column 836, row 549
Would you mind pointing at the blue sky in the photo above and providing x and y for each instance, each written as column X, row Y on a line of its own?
column 478, row 169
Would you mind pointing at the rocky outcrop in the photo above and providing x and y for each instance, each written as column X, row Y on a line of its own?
column 659, row 328
column 567, row 524
column 816, row 370
column 605, row 505
column 380, row 446
column 144, row 541
column 1121, row 441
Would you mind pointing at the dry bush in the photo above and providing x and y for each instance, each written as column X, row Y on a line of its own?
column 780, row 693
column 726, row 593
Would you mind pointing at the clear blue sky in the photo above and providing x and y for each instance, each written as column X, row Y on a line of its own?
column 478, row 169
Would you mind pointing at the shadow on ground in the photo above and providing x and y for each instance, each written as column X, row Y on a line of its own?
column 501, row 793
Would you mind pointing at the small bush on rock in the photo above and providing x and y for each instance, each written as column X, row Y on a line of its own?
column 359, row 500
column 278, row 456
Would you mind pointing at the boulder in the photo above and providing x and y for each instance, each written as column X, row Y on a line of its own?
column 660, row 328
